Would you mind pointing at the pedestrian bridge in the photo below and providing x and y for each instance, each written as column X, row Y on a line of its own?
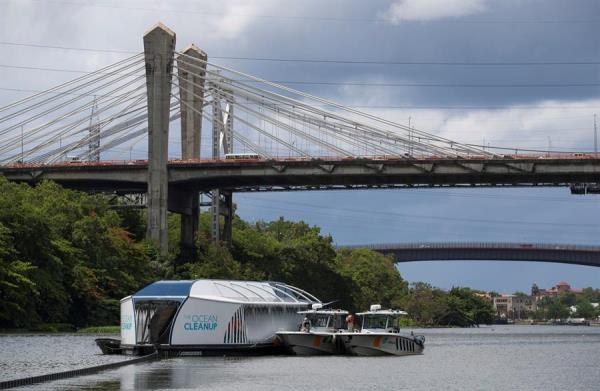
column 487, row 251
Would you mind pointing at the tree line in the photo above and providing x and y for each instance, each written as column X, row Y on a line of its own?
column 67, row 258
column 559, row 307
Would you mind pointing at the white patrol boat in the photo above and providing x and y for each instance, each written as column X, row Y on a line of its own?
column 380, row 335
column 317, row 333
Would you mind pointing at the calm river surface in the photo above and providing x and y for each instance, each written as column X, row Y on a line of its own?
column 488, row 358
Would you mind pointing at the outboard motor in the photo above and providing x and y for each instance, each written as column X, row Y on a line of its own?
column 419, row 339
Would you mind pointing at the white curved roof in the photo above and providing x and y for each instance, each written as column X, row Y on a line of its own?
column 383, row 312
column 324, row 312
column 258, row 292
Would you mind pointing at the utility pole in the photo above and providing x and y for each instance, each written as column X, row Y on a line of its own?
column 595, row 138
column 409, row 136
column 94, row 134
column 22, row 154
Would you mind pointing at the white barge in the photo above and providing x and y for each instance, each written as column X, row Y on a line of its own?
column 210, row 316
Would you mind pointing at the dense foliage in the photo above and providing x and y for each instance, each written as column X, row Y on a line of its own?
column 67, row 258
column 559, row 307
column 64, row 257
column 434, row 307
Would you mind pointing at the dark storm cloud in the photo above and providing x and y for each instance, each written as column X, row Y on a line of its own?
column 514, row 32
column 500, row 31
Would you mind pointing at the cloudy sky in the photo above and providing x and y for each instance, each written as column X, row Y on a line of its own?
column 513, row 73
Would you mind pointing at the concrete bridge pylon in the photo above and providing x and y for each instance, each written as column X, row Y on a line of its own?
column 159, row 49
column 159, row 53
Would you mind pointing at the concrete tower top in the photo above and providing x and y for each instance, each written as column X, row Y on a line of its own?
column 159, row 26
column 192, row 49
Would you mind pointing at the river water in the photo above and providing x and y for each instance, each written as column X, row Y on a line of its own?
column 487, row 358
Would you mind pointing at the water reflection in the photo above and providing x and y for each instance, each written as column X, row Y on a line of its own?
column 493, row 358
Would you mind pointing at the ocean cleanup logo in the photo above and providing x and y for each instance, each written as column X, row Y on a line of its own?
column 200, row 322
column 126, row 322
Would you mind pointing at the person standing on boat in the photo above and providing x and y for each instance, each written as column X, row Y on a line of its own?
column 305, row 325
column 350, row 321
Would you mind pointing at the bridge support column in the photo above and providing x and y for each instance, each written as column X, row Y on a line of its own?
column 159, row 47
column 222, row 201
column 222, row 205
column 228, row 215
column 215, row 215
column 191, row 71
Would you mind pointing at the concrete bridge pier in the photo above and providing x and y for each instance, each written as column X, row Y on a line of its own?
column 222, row 138
column 184, row 201
column 191, row 74
column 159, row 47
column 222, row 206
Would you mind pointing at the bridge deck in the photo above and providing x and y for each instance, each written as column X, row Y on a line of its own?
column 556, row 253
column 308, row 174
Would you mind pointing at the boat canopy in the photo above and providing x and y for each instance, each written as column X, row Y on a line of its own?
column 383, row 312
column 251, row 292
column 324, row 312
column 177, row 290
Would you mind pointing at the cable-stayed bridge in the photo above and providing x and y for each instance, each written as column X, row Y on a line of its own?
column 262, row 136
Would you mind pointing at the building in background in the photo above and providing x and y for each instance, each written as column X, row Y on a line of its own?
column 514, row 307
column 561, row 287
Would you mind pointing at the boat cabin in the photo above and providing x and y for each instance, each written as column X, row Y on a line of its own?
column 378, row 320
column 320, row 319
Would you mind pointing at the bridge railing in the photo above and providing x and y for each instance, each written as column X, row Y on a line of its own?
column 284, row 159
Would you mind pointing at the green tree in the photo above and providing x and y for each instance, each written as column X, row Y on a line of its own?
column 567, row 298
column 425, row 304
column 465, row 308
column 16, row 286
column 556, row 310
column 72, row 249
column 539, row 314
column 585, row 309
column 374, row 277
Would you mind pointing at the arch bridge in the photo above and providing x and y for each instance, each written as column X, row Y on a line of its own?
column 488, row 251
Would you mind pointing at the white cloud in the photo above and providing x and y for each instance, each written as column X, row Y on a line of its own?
column 232, row 21
column 424, row 10
column 565, row 124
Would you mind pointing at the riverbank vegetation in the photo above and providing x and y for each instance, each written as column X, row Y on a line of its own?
column 67, row 258
column 568, row 305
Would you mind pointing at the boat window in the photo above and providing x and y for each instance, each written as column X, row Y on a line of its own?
column 374, row 322
column 318, row 320
column 339, row 322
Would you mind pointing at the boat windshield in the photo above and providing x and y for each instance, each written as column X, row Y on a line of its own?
column 385, row 322
column 328, row 321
